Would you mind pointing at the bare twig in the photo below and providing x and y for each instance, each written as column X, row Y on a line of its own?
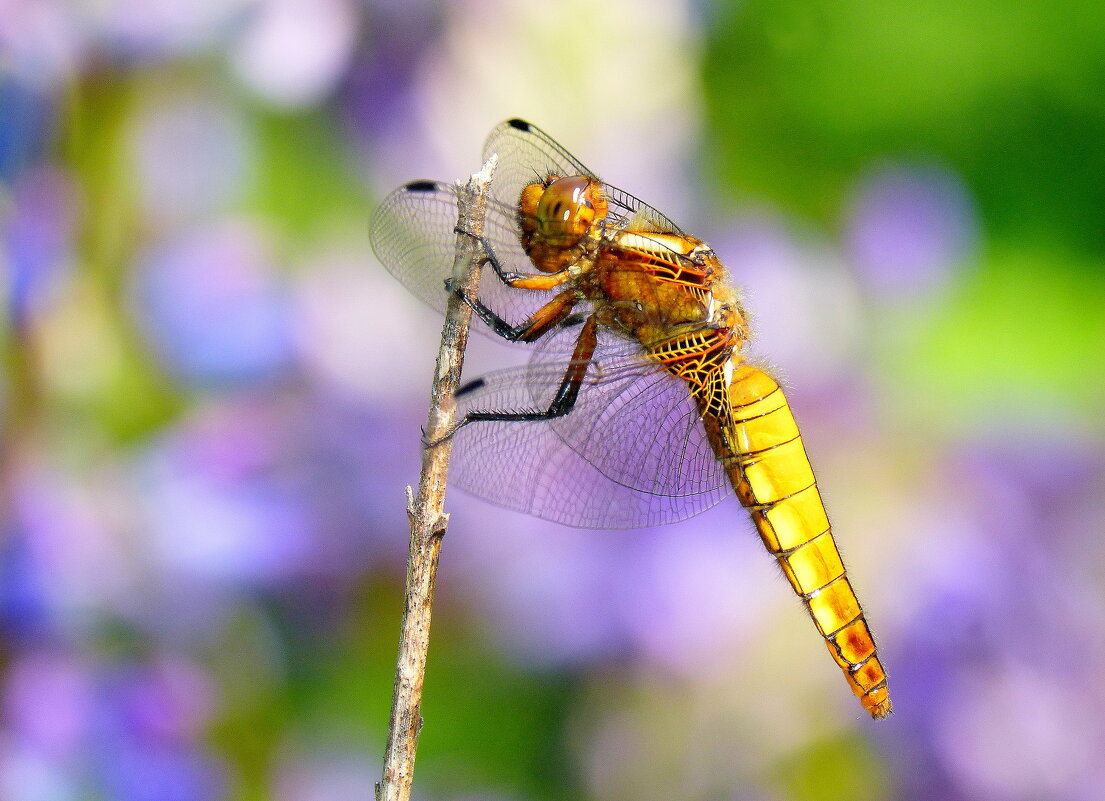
column 426, row 511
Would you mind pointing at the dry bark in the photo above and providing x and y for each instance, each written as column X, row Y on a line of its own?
column 426, row 509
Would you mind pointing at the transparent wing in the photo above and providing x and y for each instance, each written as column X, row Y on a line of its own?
column 631, row 453
column 413, row 236
column 528, row 154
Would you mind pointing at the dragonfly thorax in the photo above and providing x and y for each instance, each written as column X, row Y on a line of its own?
column 725, row 311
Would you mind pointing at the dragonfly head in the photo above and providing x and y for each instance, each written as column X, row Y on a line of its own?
column 565, row 208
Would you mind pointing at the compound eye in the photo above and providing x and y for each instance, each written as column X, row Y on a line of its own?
column 566, row 210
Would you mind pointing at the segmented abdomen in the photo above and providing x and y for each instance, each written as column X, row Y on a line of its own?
column 773, row 478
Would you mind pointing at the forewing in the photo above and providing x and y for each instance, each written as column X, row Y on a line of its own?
column 528, row 155
column 636, row 215
column 631, row 453
column 413, row 235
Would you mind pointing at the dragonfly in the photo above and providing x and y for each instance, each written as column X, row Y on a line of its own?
column 637, row 406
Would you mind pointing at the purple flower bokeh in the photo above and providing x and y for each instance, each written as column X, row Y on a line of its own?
column 261, row 491
column 320, row 774
column 44, row 43
column 192, row 153
column 36, row 239
column 909, row 228
column 148, row 728
column 377, row 88
column 48, row 700
column 803, row 306
column 218, row 505
column 1003, row 646
column 135, row 32
column 683, row 597
column 25, row 119
column 293, row 53
column 133, row 730
column 214, row 306
column 61, row 562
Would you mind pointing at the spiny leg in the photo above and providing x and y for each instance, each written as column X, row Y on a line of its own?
column 535, row 326
column 566, row 394
column 509, row 277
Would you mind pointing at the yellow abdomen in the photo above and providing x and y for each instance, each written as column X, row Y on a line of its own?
column 773, row 478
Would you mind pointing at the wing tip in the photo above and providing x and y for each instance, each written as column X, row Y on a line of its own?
column 423, row 185
column 470, row 387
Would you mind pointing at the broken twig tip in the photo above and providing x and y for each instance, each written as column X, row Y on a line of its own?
column 488, row 169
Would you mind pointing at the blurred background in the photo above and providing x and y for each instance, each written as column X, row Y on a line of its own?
column 212, row 393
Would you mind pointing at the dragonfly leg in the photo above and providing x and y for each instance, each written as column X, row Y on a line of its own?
column 535, row 326
column 565, row 399
column 509, row 277
column 562, row 403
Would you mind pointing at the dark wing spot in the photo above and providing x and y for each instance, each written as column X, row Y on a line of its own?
column 520, row 124
column 422, row 186
column 471, row 386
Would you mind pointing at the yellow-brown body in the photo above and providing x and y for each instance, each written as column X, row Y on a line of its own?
column 669, row 292
column 761, row 447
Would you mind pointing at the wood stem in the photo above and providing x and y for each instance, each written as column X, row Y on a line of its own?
column 426, row 509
